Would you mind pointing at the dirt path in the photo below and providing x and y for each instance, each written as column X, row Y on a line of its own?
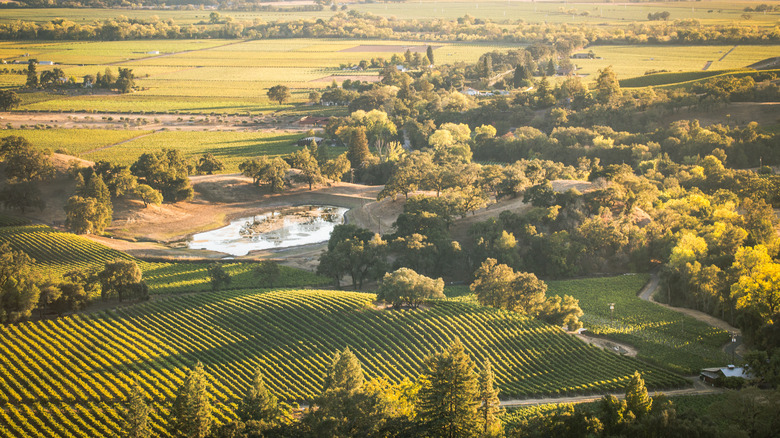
column 646, row 293
column 116, row 144
column 609, row 345
column 163, row 55
column 698, row 388
column 727, row 54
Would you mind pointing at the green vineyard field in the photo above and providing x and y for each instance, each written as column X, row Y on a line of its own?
column 661, row 335
column 56, row 253
column 70, row 376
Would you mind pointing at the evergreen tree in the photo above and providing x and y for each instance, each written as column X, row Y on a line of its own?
column 32, row 73
column 259, row 404
column 322, row 154
column 637, row 400
column 489, row 404
column 218, row 276
column 449, row 395
column 358, row 148
column 429, row 54
column 137, row 424
column 191, row 414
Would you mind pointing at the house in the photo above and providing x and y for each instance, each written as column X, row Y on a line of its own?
column 307, row 141
column 313, row 121
column 401, row 68
column 46, row 63
column 711, row 375
column 588, row 55
column 153, row 52
column 470, row 92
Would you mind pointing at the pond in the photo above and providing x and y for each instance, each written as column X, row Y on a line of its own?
column 282, row 228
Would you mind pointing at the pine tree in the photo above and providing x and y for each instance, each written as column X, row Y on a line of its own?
column 338, row 410
column 191, row 414
column 32, row 74
column 358, row 148
column 137, row 423
column 489, row 404
column 429, row 54
column 637, row 400
column 258, row 403
column 449, row 394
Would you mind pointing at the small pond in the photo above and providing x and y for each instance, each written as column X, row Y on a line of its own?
column 282, row 228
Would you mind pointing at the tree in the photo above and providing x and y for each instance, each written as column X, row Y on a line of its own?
column 49, row 294
column 148, row 195
column 429, row 54
column 209, row 164
column 489, row 405
column 498, row 285
column 22, row 196
column 19, row 290
column 354, row 251
column 77, row 287
column 379, row 130
column 166, row 171
column 315, row 97
column 307, row 164
column 522, row 76
column 607, row 86
column 23, row 162
column 217, row 275
column 125, row 83
column 449, row 394
column 271, row 171
column 260, row 406
column 32, row 74
column 9, row 100
column 637, row 400
column 757, row 286
column 279, row 93
column 192, row 414
column 137, row 424
column 121, row 278
column 267, row 273
column 335, row 169
column 85, row 215
column 405, row 286
column 358, row 152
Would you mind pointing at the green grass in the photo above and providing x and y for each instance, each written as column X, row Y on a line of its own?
column 56, row 253
column 73, row 141
column 661, row 336
column 80, row 367
column 231, row 147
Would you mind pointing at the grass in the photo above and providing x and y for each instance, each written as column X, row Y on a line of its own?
column 73, row 141
column 56, row 253
column 84, row 362
column 661, row 336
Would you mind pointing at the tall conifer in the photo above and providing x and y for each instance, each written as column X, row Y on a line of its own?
column 137, row 423
column 191, row 415
column 489, row 404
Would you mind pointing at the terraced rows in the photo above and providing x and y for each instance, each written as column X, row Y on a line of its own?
column 69, row 377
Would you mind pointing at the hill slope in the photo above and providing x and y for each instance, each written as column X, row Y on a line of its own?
column 79, row 368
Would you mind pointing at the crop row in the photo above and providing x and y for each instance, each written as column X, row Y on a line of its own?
column 88, row 361
column 56, row 253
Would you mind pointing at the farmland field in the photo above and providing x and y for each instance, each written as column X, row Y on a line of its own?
column 205, row 76
column 661, row 335
column 230, row 147
column 56, row 253
column 234, row 332
column 587, row 12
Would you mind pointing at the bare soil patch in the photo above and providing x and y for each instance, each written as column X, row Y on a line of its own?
column 739, row 113
column 340, row 78
column 152, row 122
column 612, row 346
column 390, row 48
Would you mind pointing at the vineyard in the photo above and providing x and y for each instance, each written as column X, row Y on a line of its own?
column 56, row 253
column 662, row 336
column 289, row 335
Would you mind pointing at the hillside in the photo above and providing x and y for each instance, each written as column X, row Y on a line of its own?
column 80, row 367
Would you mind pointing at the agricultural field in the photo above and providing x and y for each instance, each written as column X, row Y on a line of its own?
column 56, row 253
column 662, row 336
column 124, row 147
column 586, row 12
column 206, row 76
column 290, row 335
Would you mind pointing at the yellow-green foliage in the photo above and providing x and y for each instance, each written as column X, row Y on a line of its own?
column 59, row 375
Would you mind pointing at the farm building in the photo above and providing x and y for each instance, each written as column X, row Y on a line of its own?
column 711, row 375
column 46, row 63
column 313, row 121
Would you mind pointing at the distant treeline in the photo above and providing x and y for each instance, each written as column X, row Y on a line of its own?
column 353, row 24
